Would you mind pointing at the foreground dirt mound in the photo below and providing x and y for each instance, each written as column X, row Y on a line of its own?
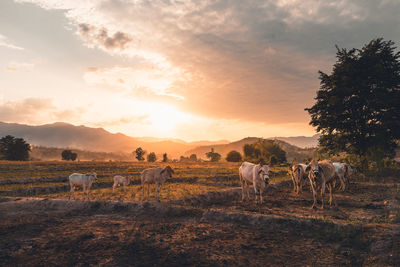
column 211, row 229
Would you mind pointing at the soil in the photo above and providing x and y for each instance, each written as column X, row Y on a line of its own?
column 216, row 229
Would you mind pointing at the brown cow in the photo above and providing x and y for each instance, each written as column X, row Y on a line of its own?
column 321, row 174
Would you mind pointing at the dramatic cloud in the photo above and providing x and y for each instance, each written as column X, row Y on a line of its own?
column 4, row 42
column 238, row 61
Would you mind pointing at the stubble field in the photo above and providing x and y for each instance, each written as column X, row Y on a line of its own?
column 200, row 220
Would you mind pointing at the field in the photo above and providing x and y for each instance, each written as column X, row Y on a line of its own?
column 200, row 220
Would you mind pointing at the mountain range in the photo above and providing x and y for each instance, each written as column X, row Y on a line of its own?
column 64, row 135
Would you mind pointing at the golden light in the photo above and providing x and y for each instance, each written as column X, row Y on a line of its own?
column 165, row 118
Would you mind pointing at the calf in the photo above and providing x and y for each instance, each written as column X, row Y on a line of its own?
column 321, row 174
column 125, row 181
column 84, row 180
column 156, row 176
column 256, row 175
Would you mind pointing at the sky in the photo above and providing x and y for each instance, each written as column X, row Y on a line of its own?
column 194, row 70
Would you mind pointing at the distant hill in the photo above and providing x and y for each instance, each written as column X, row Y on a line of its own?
column 64, row 135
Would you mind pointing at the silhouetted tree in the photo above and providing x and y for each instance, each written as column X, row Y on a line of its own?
column 151, row 157
column 193, row 157
column 213, row 156
column 165, row 158
column 234, row 156
column 139, row 153
column 12, row 148
column 357, row 107
column 73, row 156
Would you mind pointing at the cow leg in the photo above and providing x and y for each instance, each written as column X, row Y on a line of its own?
column 158, row 194
column 261, row 196
column 255, row 191
column 330, row 194
column 243, row 188
column 322, row 194
column 114, row 186
column 143, row 191
column 148, row 191
column 314, row 194
column 342, row 183
column 71, row 191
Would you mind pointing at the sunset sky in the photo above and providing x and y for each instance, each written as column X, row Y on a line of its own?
column 193, row 70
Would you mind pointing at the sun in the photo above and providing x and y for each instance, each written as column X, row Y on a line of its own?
column 165, row 118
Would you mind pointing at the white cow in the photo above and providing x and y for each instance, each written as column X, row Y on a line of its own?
column 125, row 181
column 299, row 176
column 340, row 172
column 156, row 176
column 256, row 175
column 83, row 180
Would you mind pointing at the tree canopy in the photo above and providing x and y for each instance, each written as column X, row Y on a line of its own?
column 213, row 156
column 68, row 155
column 12, row 148
column 139, row 153
column 151, row 157
column 234, row 156
column 357, row 107
column 263, row 151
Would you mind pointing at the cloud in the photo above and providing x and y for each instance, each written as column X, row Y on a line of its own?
column 6, row 43
column 244, row 60
column 35, row 110
column 100, row 36
column 19, row 66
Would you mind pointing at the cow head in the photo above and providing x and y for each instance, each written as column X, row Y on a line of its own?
column 314, row 169
column 263, row 173
column 168, row 170
column 92, row 176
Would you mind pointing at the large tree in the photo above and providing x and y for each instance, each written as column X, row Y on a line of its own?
column 139, row 154
column 357, row 107
column 12, row 148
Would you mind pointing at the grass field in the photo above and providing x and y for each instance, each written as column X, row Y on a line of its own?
column 201, row 220
column 189, row 179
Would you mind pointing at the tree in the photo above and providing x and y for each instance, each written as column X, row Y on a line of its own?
column 263, row 150
column 68, row 155
column 165, row 158
column 151, row 157
column 193, row 157
column 12, row 148
column 213, row 156
column 139, row 153
column 357, row 107
column 234, row 156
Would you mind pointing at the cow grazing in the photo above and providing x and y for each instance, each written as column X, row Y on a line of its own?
column 299, row 175
column 321, row 174
column 256, row 175
column 118, row 180
column 156, row 176
column 340, row 172
column 82, row 180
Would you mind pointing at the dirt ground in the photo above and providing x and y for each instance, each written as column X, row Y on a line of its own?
column 215, row 229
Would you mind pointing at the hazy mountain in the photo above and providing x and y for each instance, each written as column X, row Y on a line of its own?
column 64, row 135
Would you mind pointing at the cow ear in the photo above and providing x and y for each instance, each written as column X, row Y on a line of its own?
column 320, row 168
column 259, row 171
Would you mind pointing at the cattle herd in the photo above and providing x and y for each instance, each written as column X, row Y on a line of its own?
column 320, row 175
